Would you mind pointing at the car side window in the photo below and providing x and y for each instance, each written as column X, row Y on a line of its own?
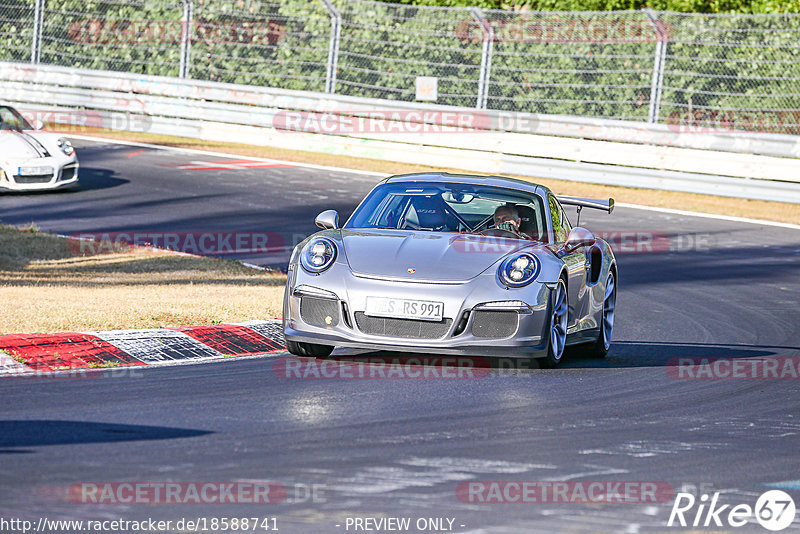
column 9, row 121
column 561, row 226
column 428, row 212
column 565, row 224
column 390, row 211
column 5, row 119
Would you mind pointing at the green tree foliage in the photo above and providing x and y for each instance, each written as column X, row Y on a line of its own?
column 683, row 6
column 16, row 30
column 724, row 69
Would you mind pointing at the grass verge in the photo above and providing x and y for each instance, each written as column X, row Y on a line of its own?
column 756, row 209
column 48, row 286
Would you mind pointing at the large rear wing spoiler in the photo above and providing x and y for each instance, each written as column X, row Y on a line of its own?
column 605, row 205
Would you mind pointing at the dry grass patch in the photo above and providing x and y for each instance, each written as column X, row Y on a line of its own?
column 47, row 286
column 756, row 209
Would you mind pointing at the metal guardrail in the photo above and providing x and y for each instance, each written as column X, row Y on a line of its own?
column 737, row 164
column 646, row 65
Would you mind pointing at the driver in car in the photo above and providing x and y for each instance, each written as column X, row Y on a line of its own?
column 507, row 218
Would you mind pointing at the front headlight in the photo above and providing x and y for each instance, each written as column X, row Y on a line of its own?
column 65, row 146
column 2, row 175
column 519, row 269
column 318, row 255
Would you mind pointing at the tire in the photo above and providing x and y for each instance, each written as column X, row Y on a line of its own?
column 310, row 350
column 600, row 348
column 557, row 332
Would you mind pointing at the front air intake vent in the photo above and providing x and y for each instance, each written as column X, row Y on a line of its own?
column 319, row 312
column 494, row 324
column 68, row 173
column 404, row 328
column 33, row 179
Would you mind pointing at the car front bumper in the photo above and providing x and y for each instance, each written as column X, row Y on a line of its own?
column 63, row 176
column 344, row 295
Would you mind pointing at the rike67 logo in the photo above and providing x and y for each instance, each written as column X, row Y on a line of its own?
column 774, row 510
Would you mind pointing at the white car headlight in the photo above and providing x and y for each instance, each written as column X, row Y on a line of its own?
column 318, row 255
column 519, row 270
column 65, row 146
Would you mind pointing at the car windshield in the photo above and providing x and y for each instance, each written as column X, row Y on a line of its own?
column 447, row 207
column 10, row 119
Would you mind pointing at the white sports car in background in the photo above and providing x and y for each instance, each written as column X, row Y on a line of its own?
column 31, row 159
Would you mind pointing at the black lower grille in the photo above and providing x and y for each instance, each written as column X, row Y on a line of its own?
column 33, row 179
column 494, row 324
column 67, row 173
column 319, row 312
column 407, row 328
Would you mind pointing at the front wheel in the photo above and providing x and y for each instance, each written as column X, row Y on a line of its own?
column 599, row 349
column 558, row 325
column 310, row 350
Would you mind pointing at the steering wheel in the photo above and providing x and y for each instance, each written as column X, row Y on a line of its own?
column 497, row 232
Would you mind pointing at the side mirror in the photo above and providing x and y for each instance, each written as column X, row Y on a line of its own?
column 579, row 237
column 327, row 220
column 38, row 125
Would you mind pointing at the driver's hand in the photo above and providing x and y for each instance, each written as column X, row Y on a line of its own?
column 508, row 226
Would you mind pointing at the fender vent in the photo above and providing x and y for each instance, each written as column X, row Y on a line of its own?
column 596, row 258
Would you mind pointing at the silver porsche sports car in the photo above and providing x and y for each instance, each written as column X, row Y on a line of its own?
column 31, row 159
column 453, row 264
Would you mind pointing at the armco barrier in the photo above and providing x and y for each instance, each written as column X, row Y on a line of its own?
column 719, row 162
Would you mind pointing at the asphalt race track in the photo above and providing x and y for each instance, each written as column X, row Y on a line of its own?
column 127, row 189
column 399, row 448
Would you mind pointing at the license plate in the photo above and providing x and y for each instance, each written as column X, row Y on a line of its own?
column 34, row 171
column 423, row 310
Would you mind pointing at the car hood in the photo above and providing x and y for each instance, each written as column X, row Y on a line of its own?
column 425, row 256
column 21, row 145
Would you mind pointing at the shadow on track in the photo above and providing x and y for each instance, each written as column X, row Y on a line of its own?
column 623, row 354
column 91, row 179
column 34, row 433
column 660, row 354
